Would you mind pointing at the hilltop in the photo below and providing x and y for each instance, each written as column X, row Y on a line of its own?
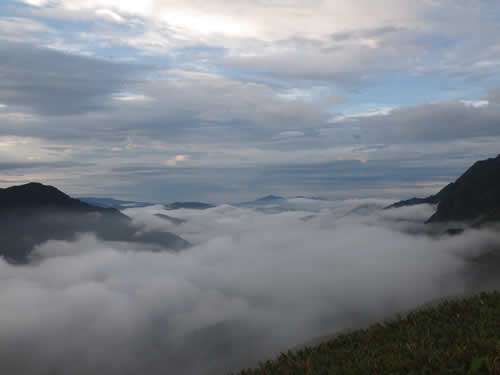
column 456, row 337
column 474, row 198
column 34, row 213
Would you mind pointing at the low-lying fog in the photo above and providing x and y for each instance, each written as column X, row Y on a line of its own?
column 254, row 284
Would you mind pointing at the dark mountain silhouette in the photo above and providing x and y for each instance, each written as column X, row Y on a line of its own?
column 113, row 203
column 473, row 198
column 34, row 213
column 189, row 205
column 121, row 205
column 35, row 195
column 433, row 199
column 269, row 199
column 310, row 197
column 34, row 199
column 173, row 220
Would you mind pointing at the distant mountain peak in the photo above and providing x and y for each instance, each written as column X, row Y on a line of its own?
column 309, row 197
column 34, row 213
column 34, row 187
column 113, row 203
column 35, row 194
column 189, row 205
column 270, row 198
column 474, row 196
column 432, row 199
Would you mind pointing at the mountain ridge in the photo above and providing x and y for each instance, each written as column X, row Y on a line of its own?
column 188, row 205
column 473, row 198
column 35, row 194
column 106, row 202
column 34, row 213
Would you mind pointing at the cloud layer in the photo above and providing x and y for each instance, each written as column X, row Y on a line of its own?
column 253, row 284
column 59, row 83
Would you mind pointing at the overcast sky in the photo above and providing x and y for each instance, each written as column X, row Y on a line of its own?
column 215, row 100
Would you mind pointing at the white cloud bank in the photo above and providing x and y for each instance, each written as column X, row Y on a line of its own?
column 253, row 284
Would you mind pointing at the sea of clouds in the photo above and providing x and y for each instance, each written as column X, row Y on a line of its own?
column 255, row 282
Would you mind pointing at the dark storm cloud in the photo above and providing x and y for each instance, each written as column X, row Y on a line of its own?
column 51, row 82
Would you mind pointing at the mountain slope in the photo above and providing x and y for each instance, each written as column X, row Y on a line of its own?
column 473, row 198
column 189, row 205
column 456, row 337
column 264, row 201
column 113, row 203
column 171, row 219
column 34, row 213
column 35, row 195
column 432, row 199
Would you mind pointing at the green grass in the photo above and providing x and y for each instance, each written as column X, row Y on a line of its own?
column 456, row 337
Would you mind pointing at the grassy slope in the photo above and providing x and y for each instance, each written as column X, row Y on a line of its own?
column 456, row 337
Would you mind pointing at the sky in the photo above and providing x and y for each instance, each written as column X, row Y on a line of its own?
column 226, row 101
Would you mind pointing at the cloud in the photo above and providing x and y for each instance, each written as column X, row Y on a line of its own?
column 351, row 43
column 494, row 96
column 17, row 29
column 213, row 119
column 178, row 101
column 176, row 160
column 219, row 306
column 126, row 97
column 254, row 19
column 378, row 112
column 352, row 60
column 55, row 83
column 110, row 14
column 268, row 96
column 428, row 122
column 39, row 165
column 36, row 2
column 476, row 103
column 291, row 133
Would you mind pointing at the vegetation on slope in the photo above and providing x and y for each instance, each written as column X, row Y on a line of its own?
column 456, row 337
